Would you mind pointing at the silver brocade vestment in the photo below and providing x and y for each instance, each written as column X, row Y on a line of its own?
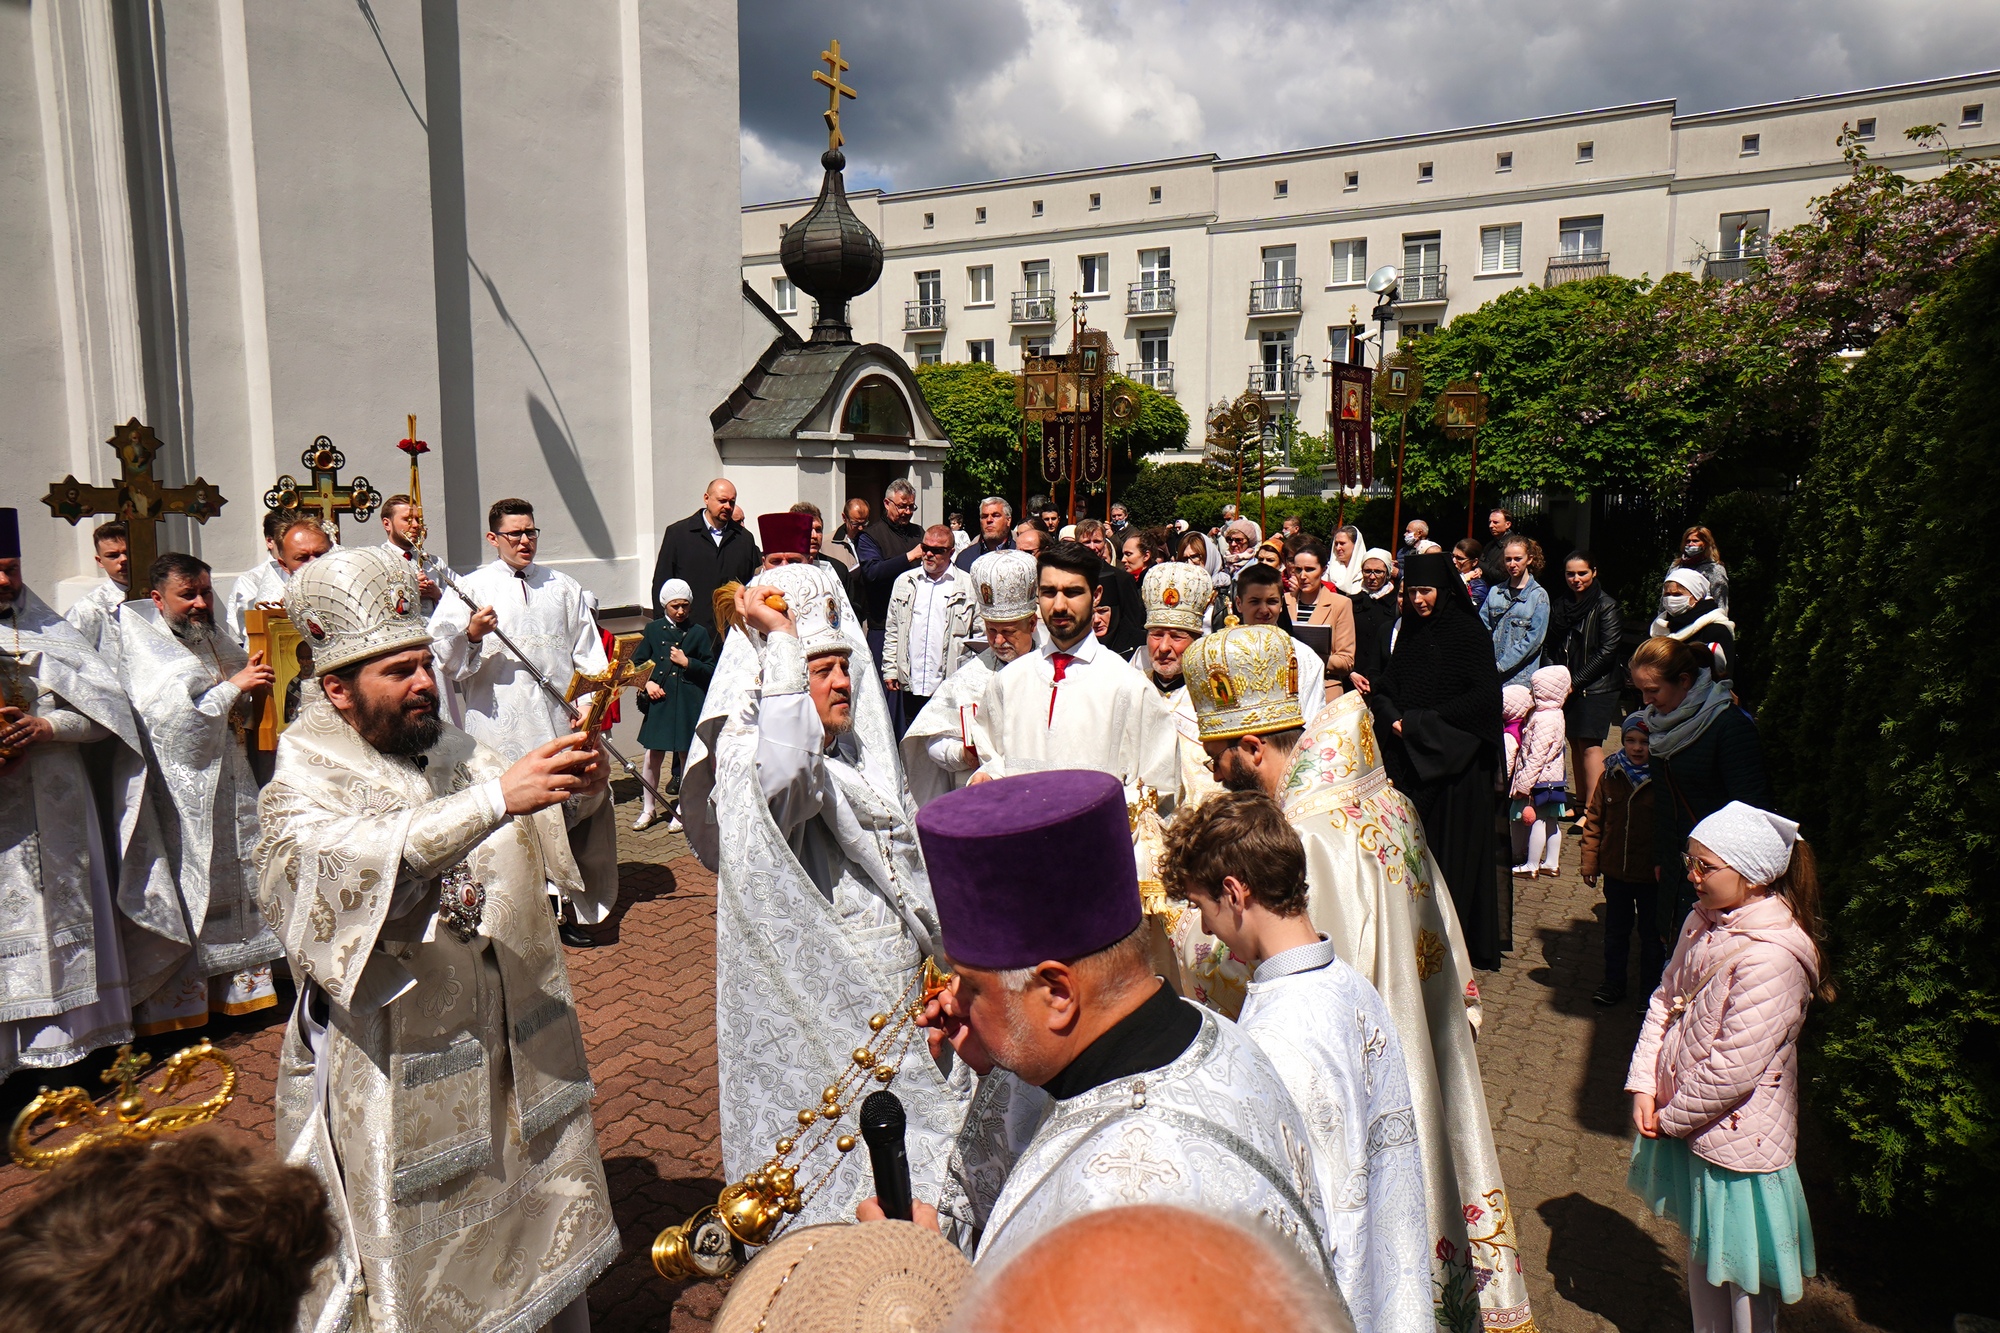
column 437, row 1086
column 1214, row 1130
column 945, row 727
column 815, row 933
column 95, row 616
column 57, row 917
column 1376, row 892
column 192, row 719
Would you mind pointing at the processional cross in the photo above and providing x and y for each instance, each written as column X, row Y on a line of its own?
column 137, row 498
column 604, row 686
column 326, row 494
column 835, row 90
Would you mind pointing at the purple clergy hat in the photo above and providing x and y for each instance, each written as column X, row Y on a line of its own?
column 1031, row 868
column 10, row 534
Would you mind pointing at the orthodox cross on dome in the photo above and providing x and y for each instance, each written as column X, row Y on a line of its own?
column 604, row 686
column 137, row 498
column 326, row 495
column 835, row 90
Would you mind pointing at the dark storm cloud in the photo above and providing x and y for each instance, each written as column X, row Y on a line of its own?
column 955, row 90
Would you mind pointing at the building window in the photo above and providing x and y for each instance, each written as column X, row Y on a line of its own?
column 1582, row 236
column 1410, row 332
column 1503, row 161
column 1743, row 233
column 1095, row 271
column 1038, row 346
column 1864, row 128
column 980, row 351
column 1500, row 248
column 1752, row 143
column 1339, row 339
column 1035, row 277
column 1036, row 208
column 1281, row 263
column 1153, row 195
column 1350, row 262
column 930, row 298
column 979, row 213
column 1352, row 181
column 1424, row 173
column 1586, row 151
column 1971, row 114
column 929, row 354
column 1096, row 200
column 979, row 285
column 1423, row 267
column 1281, row 189
column 784, row 296
column 1153, row 354
column 930, row 220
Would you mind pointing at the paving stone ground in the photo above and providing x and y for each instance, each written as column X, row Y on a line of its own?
column 1553, row 1064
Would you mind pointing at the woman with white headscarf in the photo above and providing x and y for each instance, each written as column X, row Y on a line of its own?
column 1349, row 550
column 1714, row 1078
column 683, row 654
column 1689, row 612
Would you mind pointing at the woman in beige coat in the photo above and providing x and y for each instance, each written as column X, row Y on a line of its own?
column 1312, row 601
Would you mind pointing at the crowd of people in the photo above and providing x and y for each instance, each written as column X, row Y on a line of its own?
column 1182, row 850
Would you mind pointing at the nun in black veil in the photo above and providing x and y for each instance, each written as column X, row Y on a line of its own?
column 1437, row 712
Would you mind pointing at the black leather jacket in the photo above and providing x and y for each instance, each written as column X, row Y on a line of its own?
column 1589, row 644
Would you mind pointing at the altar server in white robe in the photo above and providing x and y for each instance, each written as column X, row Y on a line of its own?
column 941, row 748
column 1100, row 1086
column 295, row 539
column 1239, row 862
column 823, row 912
column 1260, row 600
column 65, row 988
column 546, row 616
column 433, row 1075
column 401, row 534
column 1376, row 893
column 1074, row 703
column 195, row 694
column 95, row 613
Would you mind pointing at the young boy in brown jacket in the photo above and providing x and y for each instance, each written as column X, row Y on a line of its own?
column 1618, row 843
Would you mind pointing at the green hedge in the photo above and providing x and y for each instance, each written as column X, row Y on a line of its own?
column 1883, row 734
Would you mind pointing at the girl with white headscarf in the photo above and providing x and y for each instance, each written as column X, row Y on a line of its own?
column 1689, row 612
column 1343, row 571
column 1714, row 1079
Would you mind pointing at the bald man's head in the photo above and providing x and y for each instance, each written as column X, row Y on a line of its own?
column 1159, row 1269
column 720, row 501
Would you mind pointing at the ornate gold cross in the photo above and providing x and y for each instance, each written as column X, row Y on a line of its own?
column 128, row 1116
column 835, row 90
column 326, row 495
column 603, row 686
column 137, row 498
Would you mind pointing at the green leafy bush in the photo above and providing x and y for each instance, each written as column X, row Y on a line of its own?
column 1882, row 735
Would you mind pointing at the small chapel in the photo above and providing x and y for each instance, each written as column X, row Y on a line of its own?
column 272, row 234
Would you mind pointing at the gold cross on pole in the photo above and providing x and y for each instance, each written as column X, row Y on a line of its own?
column 603, row 686
column 326, row 495
column 137, row 498
column 835, row 90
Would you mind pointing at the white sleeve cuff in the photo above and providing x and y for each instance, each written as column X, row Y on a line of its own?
column 490, row 796
column 784, row 665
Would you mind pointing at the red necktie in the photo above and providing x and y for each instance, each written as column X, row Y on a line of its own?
column 1060, row 661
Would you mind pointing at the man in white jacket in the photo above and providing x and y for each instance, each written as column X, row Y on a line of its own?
column 930, row 617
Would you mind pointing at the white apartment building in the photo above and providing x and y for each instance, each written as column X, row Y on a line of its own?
column 1216, row 274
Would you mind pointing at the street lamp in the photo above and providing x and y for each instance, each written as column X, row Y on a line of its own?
column 1384, row 283
column 1302, row 367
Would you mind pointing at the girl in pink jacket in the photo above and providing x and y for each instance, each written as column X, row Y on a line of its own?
column 1714, row 1080
column 1539, row 778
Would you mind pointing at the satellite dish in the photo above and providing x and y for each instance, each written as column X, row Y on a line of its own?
column 1383, row 279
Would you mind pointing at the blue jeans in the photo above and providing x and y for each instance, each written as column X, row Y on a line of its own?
column 1629, row 905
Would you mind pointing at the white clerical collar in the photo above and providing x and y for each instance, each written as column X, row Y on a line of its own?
column 1299, row 958
column 1085, row 651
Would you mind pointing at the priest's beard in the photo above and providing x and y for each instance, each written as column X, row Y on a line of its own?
column 197, row 626
column 1233, row 771
column 401, row 725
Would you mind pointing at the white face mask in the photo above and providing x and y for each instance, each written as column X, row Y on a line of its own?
column 1676, row 602
column 1692, row 549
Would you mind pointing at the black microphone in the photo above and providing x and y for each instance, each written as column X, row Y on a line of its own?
column 882, row 1122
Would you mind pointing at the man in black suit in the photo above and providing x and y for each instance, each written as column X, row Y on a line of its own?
column 708, row 549
column 1493, row 562
column 996, row 532
column 891, row 546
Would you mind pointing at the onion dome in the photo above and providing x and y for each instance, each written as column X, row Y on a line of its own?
column 830, row 254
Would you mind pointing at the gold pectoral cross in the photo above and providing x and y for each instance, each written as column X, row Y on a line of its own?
column 835, row 90
column 603, row 686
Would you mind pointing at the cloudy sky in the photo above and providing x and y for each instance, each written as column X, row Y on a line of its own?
column 961, row 90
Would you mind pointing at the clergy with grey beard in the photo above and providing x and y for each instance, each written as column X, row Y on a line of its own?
column 194, row 692
column 433, row 1075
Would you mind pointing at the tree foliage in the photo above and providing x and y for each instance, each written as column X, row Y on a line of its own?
column 1883, row 737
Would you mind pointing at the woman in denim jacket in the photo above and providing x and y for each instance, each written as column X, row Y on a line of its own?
column 1517, row 613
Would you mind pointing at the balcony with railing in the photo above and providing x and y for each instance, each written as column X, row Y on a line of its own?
column 1154, row 297
column 1274, row 378
column 920, row 315
column 1575, row 266
column 1033, row 308
column 1421, row 286
column 1276, row 296
column 1157, row 375
column 1732, row 267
